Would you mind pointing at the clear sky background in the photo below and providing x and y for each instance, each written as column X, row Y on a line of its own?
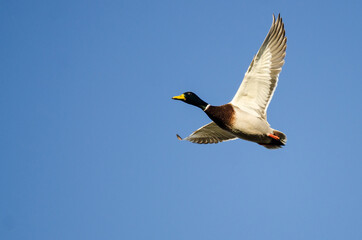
column 87, row 127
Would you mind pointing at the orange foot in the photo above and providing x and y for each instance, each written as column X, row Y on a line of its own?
column 274, row 136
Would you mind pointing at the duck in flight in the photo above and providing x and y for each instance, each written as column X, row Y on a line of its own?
column 245, row 116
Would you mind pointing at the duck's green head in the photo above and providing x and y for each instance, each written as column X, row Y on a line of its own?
column 191, row 98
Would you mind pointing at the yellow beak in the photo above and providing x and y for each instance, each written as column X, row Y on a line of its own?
column 181, row 97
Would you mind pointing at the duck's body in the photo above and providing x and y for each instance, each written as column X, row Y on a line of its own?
column 245, row 116
column 242, row 124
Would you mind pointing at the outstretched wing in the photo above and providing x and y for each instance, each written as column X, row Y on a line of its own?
column 210, row 133
column 260, row 81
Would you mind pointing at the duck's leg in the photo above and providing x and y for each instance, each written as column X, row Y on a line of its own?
column 274, row 136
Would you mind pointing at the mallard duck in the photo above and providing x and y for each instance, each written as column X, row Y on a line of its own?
column 245, row 116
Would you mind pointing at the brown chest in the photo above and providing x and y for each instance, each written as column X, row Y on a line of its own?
column 223, row 115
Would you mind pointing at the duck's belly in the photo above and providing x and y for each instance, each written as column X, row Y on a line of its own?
column 251, row 128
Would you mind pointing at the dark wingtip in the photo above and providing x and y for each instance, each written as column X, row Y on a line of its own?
column 178, row 137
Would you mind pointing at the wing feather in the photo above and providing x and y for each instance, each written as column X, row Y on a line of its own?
column 261, row 78
column 210, row 133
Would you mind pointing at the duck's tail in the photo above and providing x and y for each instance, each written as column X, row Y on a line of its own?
column 282, row 136
column 276, row 143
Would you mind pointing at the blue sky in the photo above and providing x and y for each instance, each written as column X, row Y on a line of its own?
column 87, row 133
